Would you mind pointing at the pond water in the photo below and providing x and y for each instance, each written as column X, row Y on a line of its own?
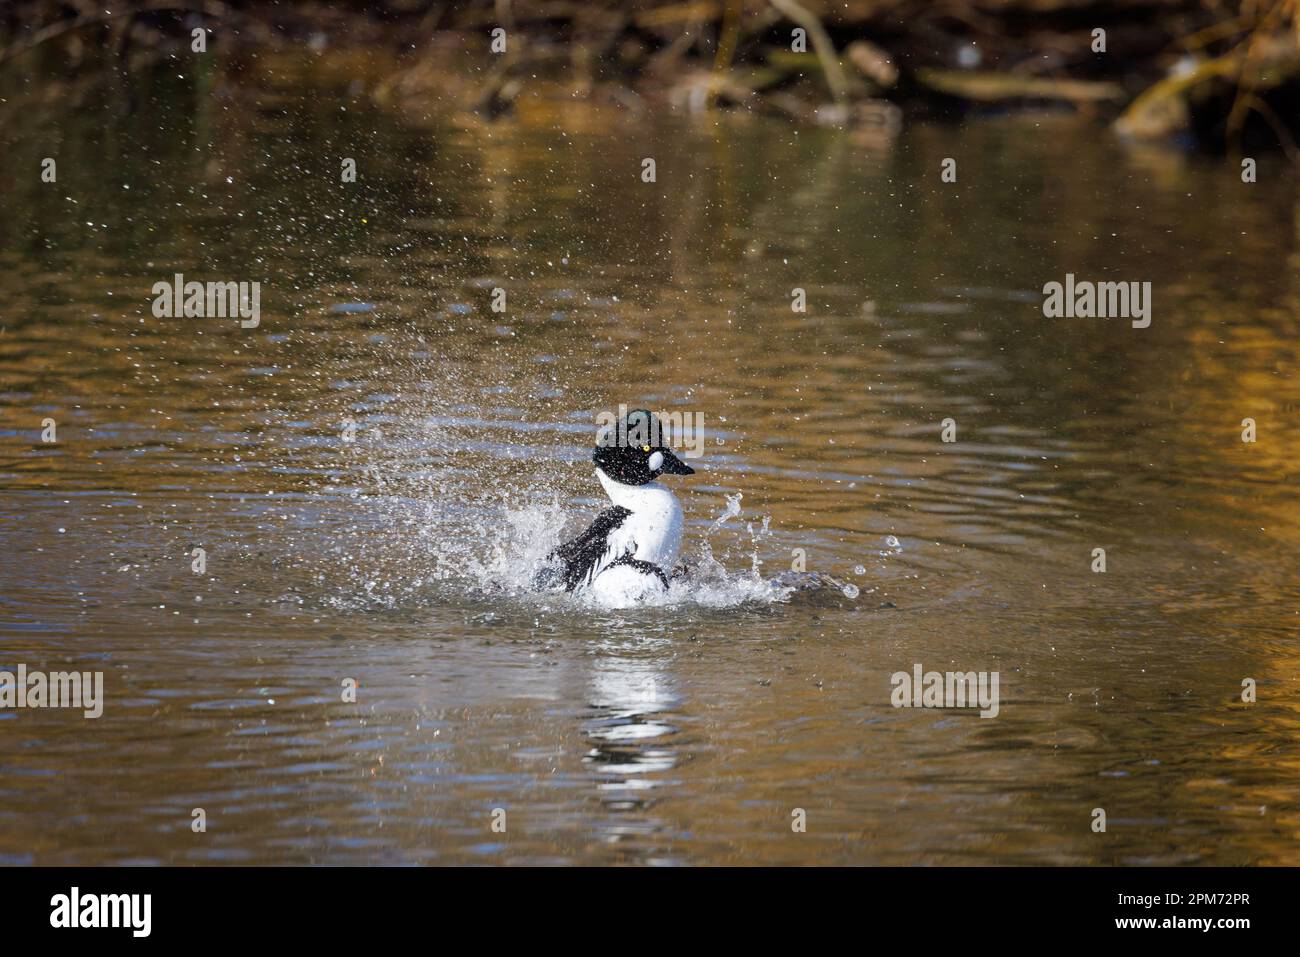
column 687, row 732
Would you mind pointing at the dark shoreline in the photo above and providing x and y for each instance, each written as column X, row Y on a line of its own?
column 1165, row 70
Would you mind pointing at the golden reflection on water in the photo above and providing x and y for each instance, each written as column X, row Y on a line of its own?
column 673, row 735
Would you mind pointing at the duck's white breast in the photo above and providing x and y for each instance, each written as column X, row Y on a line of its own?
column 658, row 532
column 655, row 523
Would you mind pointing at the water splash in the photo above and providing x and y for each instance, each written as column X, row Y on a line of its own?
column 456, row 548
column 731, row 511
column 451, row 491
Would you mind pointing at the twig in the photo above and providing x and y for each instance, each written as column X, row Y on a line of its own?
column 825, row 49
column 1284, row 138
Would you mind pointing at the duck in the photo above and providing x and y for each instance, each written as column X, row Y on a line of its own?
column 627, row 554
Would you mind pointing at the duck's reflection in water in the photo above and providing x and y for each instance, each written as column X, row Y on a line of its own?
column 626, row 720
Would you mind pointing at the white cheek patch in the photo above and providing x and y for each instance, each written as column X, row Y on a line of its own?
column 656, row 460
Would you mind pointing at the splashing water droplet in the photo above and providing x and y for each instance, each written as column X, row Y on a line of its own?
column 731, row 511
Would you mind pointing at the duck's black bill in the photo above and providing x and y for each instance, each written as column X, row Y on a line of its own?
column 675, row 466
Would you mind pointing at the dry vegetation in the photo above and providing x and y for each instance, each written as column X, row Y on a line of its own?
column 1222, row 74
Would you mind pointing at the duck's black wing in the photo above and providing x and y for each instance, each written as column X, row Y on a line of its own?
column 585, row 557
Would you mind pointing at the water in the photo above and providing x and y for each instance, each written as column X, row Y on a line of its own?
column 687, row 732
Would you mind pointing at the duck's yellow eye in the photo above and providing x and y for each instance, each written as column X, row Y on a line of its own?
column 645, row 448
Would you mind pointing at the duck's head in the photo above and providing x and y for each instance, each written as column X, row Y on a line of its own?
column 633, row 453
